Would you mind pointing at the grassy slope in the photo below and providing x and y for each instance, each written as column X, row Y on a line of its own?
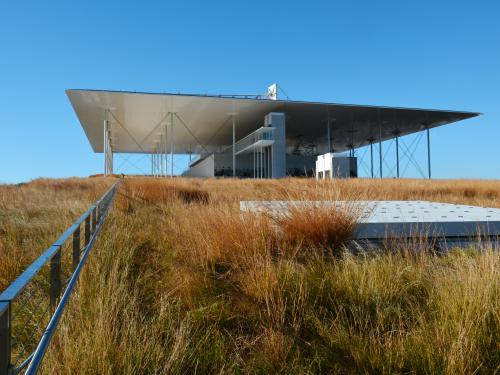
column 180, row 282
column 33, row 215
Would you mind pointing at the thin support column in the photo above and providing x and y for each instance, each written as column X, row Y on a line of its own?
column 272, row 169
column 171, row 144
column 110, row 156
column 257, row 163
column 329, row 143
column 260, row 162
column 165, row 150
column 397, row 156
column 110, row 149
column 371, row 156
column 264, row 152
column 380, row 144
column 268, row 163
column 429, row 152
column 234, row 147
column 253, row 163
column 105, row 143
column 160, row 150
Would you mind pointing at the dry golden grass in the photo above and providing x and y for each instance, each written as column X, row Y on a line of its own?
column 33, row 215
column 181, row 282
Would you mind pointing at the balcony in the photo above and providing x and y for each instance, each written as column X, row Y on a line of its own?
column 262, row 137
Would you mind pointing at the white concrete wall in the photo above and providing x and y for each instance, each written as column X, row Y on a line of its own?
column 204, row 168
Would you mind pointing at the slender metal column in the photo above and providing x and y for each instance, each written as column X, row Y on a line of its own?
column 160, row 146
column 257, row 155
column 429, row 152
column 261, row 162
column 253, row 163
column 234, row 147
column 258, row 163
column 371, row 156
column 109, row 149
column 160, row 159
column 397, row 156
column 380, row 143
column 329, row 138
column 263, row 150
column 165, row 150
column 105, row 143
column 111, row 154
column 268, row 163
column 171, row 144
column 272, row 169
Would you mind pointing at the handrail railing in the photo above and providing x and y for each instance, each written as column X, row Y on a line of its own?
column 92, row 219
column 262, row 133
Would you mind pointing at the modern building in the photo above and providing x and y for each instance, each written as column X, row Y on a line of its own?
column 243, row 136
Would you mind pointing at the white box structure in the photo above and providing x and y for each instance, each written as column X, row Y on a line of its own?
column 332, row 165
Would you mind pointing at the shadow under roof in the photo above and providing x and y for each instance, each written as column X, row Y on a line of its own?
column 203, row 123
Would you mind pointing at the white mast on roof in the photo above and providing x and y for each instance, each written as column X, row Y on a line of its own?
column 272, row 92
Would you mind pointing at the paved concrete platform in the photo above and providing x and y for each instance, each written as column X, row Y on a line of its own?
column 380, row 220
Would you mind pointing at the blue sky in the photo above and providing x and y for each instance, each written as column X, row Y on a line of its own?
column 430, row 54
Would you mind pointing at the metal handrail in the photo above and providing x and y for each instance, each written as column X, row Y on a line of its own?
column 92, row 219
column 262, row 133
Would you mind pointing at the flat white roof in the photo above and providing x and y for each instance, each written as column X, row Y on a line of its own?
column 203, row 123
column 385, row 219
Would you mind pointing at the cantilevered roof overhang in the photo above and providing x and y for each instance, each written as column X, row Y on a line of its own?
column 204, row 123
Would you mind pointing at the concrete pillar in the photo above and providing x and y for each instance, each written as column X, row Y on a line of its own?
column 277, row 121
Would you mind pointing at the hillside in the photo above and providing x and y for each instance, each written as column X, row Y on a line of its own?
column 181, row 282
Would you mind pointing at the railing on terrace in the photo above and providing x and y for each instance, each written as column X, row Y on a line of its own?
column 264, row 133
column 31, row 307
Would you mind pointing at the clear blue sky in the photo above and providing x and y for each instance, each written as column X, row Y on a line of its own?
column 431, row 54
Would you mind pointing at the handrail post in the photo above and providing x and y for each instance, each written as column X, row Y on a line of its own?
column 55, row 278
column 5, row 338
column 76, row 247
column 94, row 219
column 87, row 230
